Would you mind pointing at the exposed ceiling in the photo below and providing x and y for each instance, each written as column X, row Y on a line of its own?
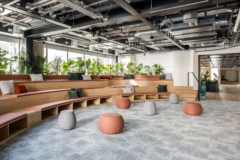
column 227, row 61
column 126, row 26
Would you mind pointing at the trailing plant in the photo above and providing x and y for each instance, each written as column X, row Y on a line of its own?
column 24, row 66
column 80, row 65
column 67, row 65
column 157, row 69
column 56, row 65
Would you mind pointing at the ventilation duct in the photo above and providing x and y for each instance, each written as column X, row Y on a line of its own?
column 81, row 9
column 191, row 18
column 16, row 30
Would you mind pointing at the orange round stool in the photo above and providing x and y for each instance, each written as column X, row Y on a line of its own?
column 192, row 108
column 123, row 103
column 111, row 123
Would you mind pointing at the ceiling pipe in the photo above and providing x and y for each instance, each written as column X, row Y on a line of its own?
column 81, row 9
column 52, row 9
column 169, row 29
column 39, row 4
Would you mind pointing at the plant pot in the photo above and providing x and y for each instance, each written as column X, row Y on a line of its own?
column 95, row 77
column 117, row 76
column 212, row 87
column 146, row 77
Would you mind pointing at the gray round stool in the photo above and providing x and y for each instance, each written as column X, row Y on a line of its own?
column 174, row 98
column 149, row 108
column 67, row 120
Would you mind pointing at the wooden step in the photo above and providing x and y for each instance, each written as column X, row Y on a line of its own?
column 183, row 87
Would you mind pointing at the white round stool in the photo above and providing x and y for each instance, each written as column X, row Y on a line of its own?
column 67, row 120
column 174, row 98
column 150, row 108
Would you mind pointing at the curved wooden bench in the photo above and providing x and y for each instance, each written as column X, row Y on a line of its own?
column 12, row 124
column 34, row 93
column 145, row 95
column 54, row 108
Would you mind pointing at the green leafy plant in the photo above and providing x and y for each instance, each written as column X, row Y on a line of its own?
column 138, row 69
column 157, row 69
column 130, row 68
column 56, row 65
column 24, row 66
column 3, row 62
column 88, row 66
column 148, row 70
column 108, row 68
column 205, row 77
column 67, row 65
column 80, row 65
column 39, row 62
column 11, row 62
column 215, row 80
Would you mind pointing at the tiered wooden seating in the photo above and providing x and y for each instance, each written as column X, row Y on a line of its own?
column 186, row 93
column 47, row 99
column 54, row 108
column 12, row 124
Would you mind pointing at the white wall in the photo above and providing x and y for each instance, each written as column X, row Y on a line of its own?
column 183, row 63
column 232, row 75
column 165, row 59
column 179, row 63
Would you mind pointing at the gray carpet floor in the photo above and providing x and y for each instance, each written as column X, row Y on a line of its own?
column 169, row 135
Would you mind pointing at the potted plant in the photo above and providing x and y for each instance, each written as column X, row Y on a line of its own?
column 204, row 79
column 212, row 85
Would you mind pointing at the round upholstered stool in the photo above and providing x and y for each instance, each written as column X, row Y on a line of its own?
column 174, row 98
column 123, row 103
column 111, row 123
column 192, row 108
column 149, row 108
column 67, row 120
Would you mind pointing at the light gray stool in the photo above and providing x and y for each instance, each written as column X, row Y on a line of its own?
column 67, row 120
column 174, row 98
column 149, row 108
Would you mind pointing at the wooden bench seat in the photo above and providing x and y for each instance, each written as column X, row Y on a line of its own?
column 51, row 109
column 41, row 92
column 63, row 102
column 10, row 117
column 145, row 95
column 12, row 124
column 34, row 93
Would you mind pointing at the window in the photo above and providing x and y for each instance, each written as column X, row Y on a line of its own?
column 52, row 53
column 74, row 56
column 106, row 60
column 125, row 60
column 90, row 57
column 11, row 48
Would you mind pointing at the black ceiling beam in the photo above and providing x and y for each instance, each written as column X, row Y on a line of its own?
column 131, row 10
column 7, row 4
column 120, row 18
